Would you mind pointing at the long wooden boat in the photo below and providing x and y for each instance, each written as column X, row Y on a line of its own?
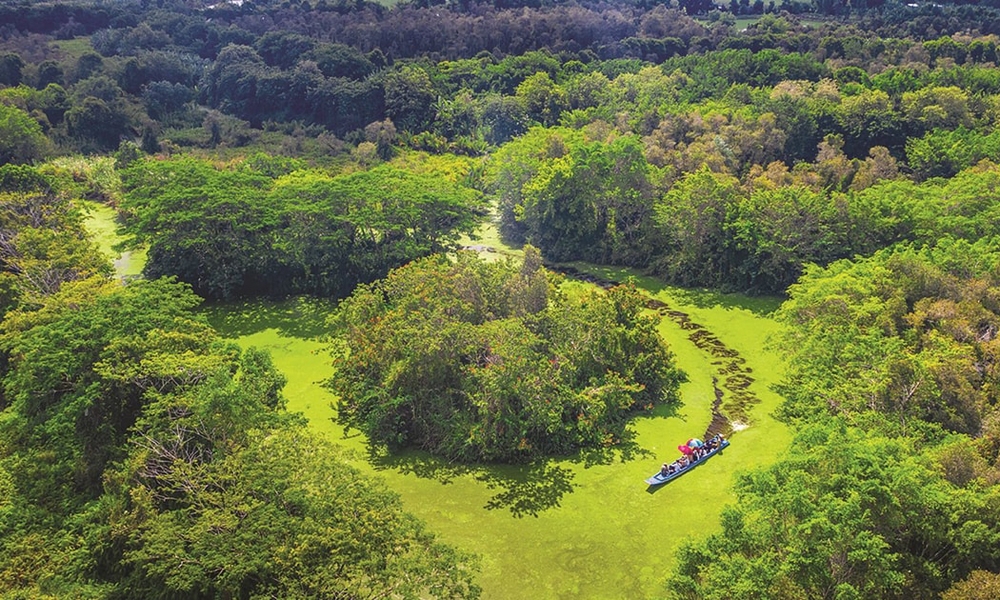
column 660, row 478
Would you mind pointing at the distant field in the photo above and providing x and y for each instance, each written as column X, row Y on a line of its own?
column 741, row 22
column 746, row 21
column 74, row 48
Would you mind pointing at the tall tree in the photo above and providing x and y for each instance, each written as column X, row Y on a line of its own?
column 594, row 202
column 96, row 124
column 11, row 67
column 783, row 229
column 843, row 515
column 211, row 228
column 902, row 339
column 693, row 216
column 21, row 137
column 487, row 361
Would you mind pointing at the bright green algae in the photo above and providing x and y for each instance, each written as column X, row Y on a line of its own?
column 584, row 526
column 100, row 221
column 576, row 527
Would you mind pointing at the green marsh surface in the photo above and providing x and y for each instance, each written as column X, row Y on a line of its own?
column 583, row 526
column 100, row 221
column 579, row 527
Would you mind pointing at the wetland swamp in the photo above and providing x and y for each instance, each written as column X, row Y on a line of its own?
column 583, row 526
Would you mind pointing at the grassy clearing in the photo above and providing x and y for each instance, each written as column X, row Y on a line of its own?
column 741, row 22
column 74, row 48
column 744, row 22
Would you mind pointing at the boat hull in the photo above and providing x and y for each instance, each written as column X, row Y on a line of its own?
column 660, row 479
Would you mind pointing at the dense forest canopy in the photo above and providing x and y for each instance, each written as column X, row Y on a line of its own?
column 809, row 118
column 842, row 154
column 134, row 439
column 238, row 232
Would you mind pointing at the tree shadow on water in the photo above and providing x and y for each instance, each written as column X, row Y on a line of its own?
column 524, row 490
column 528, row 490
column 300, row 317
column 625, row 449
column 762, row 306
column 421, row 464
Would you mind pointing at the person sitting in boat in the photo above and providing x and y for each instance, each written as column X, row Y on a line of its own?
column 665, row 469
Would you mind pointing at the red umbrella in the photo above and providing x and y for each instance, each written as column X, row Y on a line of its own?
column 685, row 449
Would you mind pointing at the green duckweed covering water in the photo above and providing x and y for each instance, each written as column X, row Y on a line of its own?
column 581, row 526
column 100, row 221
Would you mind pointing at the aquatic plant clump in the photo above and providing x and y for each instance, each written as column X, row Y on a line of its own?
column 480, row 361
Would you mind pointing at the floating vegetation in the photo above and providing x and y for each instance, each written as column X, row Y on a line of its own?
column 734, row 397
